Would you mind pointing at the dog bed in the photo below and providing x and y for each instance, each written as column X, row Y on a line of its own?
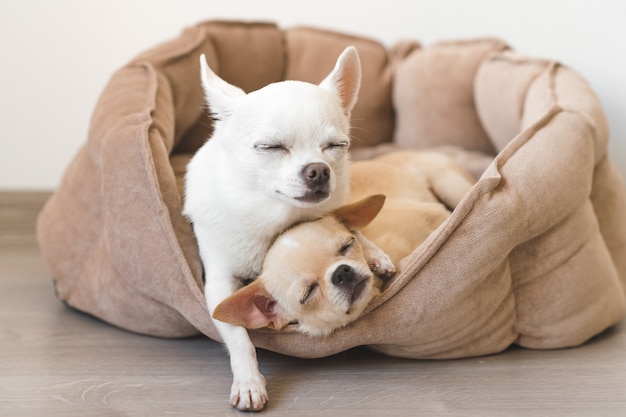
column 535, row 254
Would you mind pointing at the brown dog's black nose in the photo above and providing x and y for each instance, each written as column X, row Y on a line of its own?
column 316, row 174
column 344, row 278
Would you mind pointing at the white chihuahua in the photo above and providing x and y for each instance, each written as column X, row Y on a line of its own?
column 278, row 156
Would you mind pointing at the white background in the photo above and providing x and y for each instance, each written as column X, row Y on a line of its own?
column 58, row 55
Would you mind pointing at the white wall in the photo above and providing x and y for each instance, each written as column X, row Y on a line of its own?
column 58, row 55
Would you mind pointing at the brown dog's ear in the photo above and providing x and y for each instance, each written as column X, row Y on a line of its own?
column 251, row 307
column 357, row 215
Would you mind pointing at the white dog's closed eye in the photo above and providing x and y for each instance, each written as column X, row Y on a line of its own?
column 271, row 147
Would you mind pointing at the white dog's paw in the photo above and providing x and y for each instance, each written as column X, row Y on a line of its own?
column 249, row 394
column 380, row 264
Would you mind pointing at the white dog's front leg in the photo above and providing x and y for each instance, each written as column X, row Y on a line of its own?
column 248, row 391
column 376, row 258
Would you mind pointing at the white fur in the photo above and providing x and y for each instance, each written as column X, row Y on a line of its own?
column 242, row 190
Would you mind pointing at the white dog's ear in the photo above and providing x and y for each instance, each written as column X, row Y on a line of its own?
column 251, row 307
column 345, row 79
column 220, row 95
column 357, row 215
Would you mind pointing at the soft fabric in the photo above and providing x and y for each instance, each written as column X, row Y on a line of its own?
column 534, row 255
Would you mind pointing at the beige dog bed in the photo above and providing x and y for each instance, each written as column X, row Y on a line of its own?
column 534, row 255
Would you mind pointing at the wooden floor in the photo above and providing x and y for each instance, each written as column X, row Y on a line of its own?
column 57, row 362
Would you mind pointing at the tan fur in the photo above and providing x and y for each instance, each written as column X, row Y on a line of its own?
column 419, row 187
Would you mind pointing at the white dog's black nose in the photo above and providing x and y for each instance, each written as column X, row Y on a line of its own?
column 316, row 174
column 345, row 278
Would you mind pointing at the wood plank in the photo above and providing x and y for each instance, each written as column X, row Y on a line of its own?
column 18, row 212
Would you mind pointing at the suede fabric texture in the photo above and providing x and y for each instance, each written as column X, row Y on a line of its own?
column 534, row 255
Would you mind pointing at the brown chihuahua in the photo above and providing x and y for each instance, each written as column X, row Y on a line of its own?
column 315, row 272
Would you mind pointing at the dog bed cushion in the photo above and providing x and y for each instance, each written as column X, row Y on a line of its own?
column 535, row 254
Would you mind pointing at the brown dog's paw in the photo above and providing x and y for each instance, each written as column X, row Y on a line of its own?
column 382, row 266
